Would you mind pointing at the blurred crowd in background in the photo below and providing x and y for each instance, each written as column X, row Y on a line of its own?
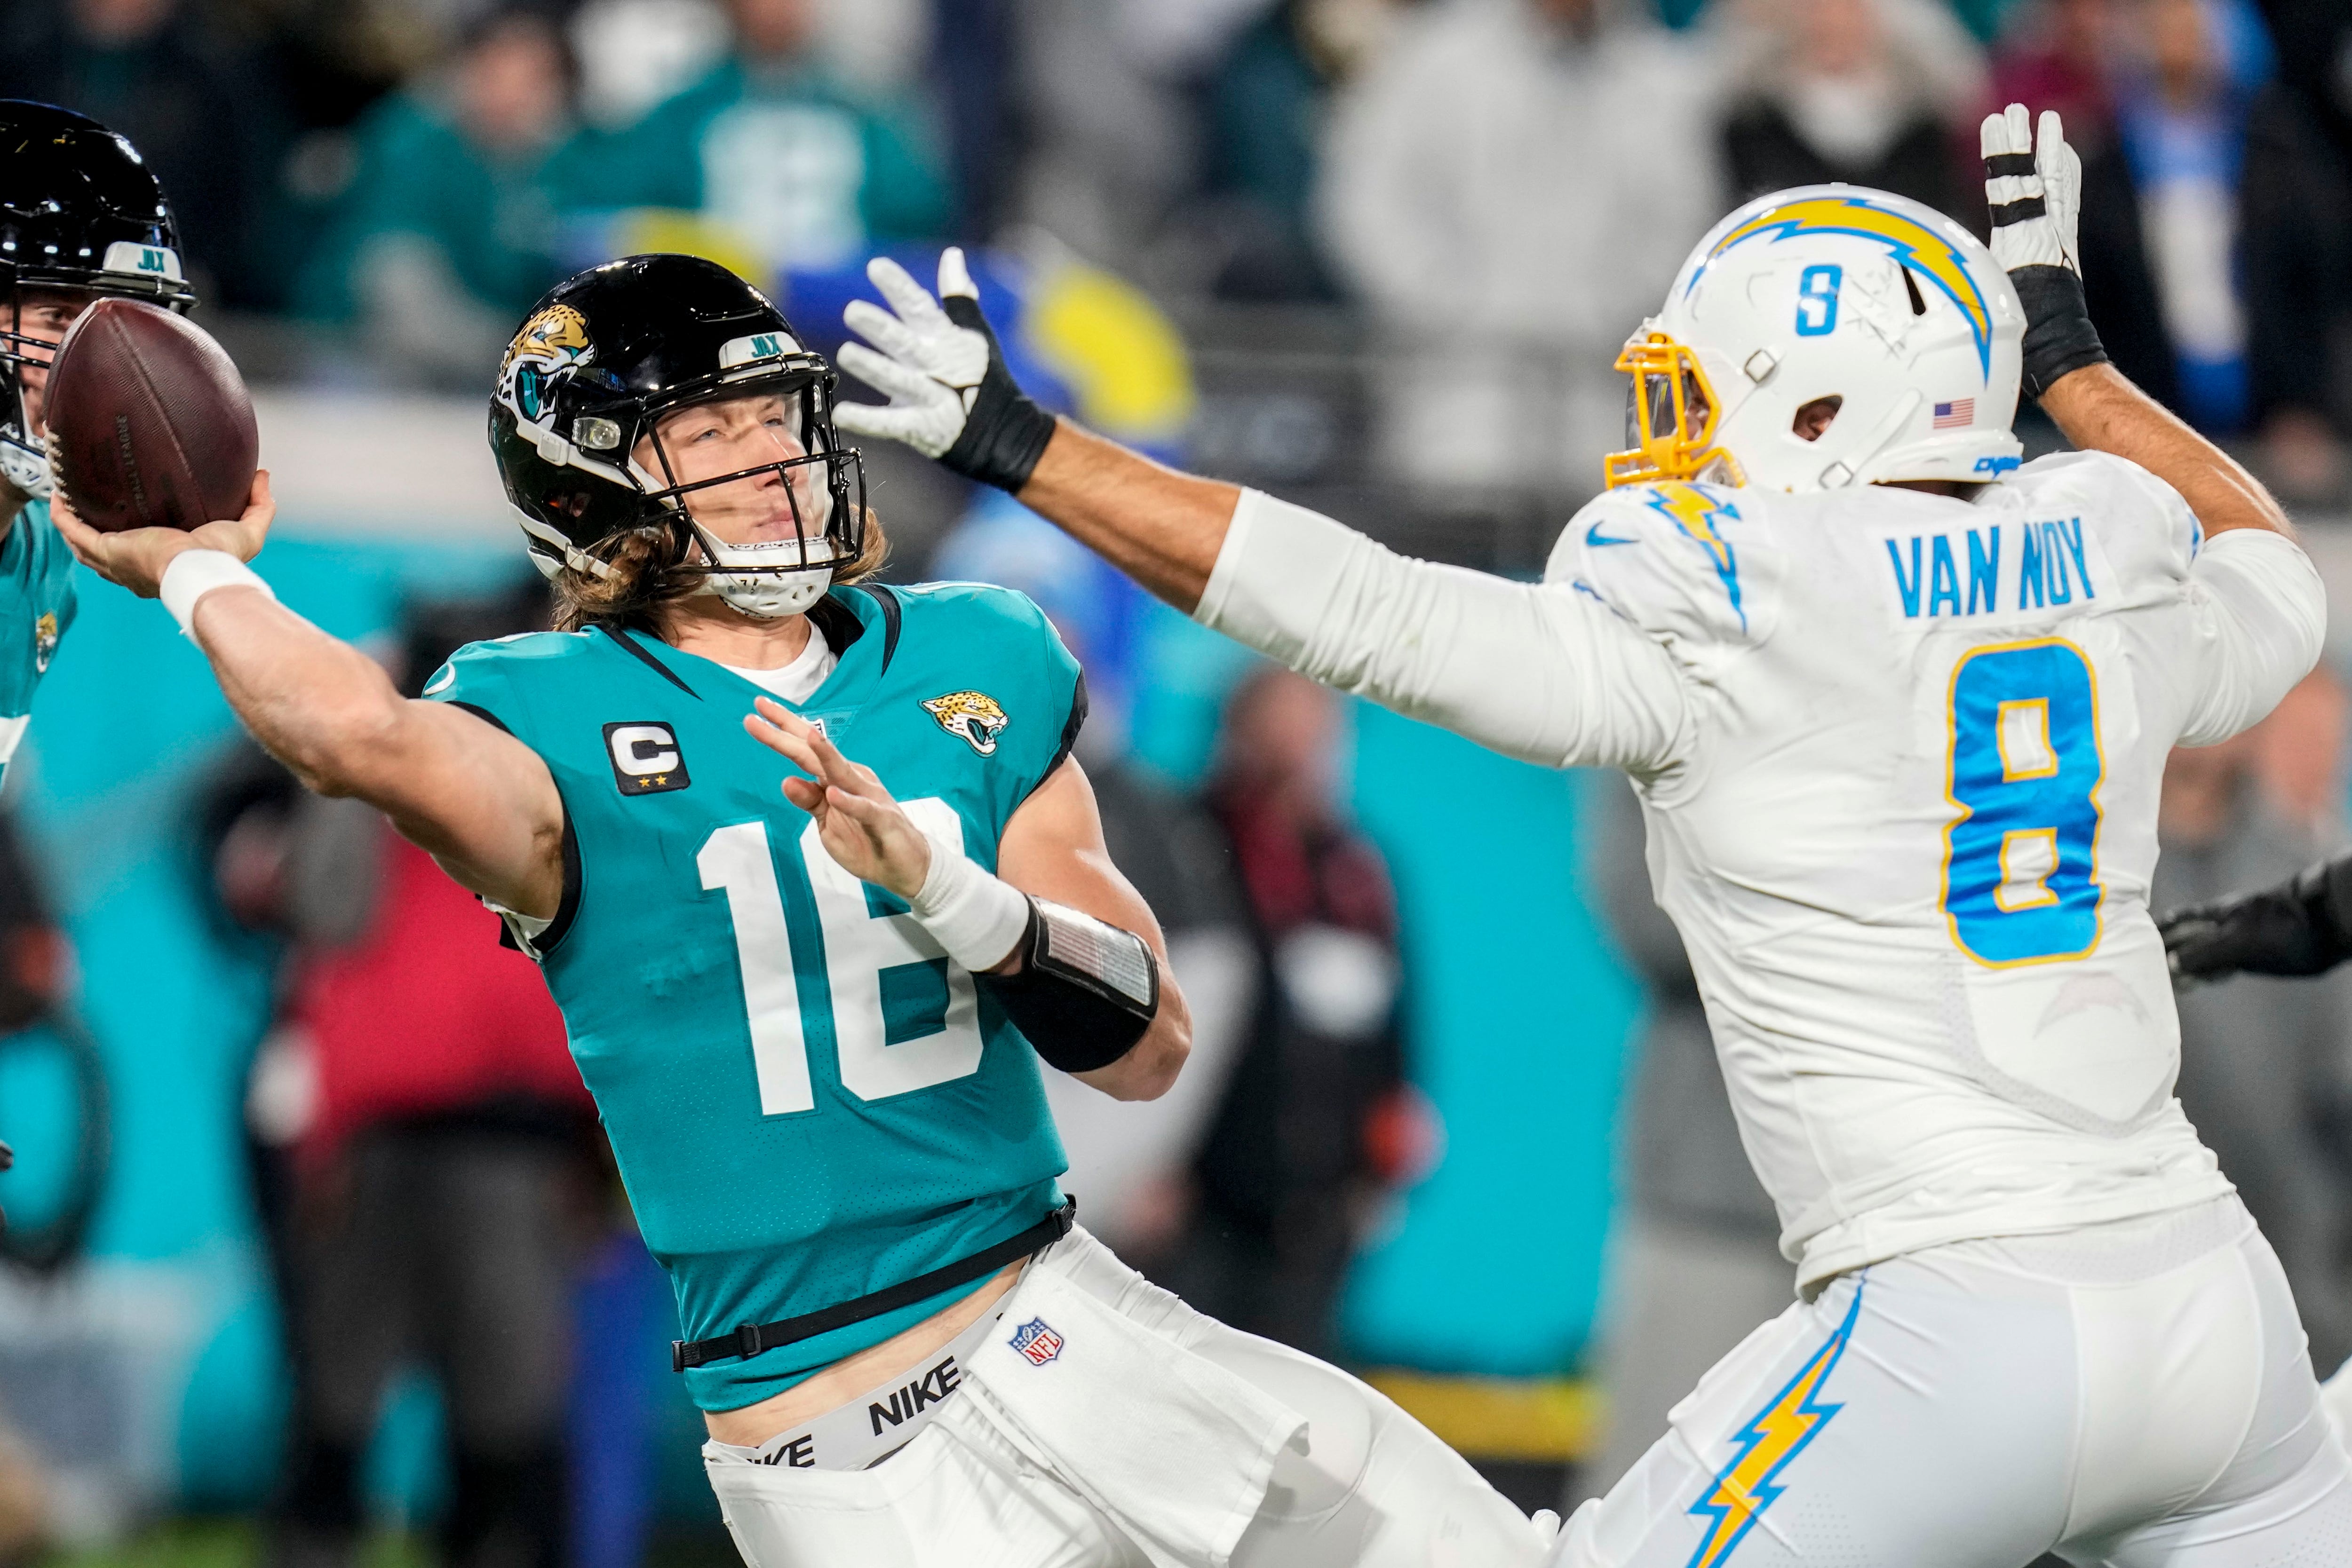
column 1492, row 189
column 1377, row 252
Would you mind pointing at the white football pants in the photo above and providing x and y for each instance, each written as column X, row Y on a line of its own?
column 2130, row 1394
column 1152, row 1437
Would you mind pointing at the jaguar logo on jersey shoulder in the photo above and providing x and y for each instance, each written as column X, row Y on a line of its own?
column 645, row 757
column 972, row 716
column 45, row 642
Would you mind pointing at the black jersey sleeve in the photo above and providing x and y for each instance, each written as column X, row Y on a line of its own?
column 2301, row 926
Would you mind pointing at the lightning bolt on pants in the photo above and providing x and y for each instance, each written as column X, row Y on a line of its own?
column 2128, row 1394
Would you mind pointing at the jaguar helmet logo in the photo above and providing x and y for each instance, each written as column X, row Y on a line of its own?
column 972, row 716
column 45, row 640
column 548, row 342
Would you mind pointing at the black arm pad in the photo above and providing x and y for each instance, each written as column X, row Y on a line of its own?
column 1087, row 991
column 2059, row 337
column 1004, row 432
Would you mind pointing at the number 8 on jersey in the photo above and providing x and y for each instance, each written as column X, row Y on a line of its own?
column 2021, row 870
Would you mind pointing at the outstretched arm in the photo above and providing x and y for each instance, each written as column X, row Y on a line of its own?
column 475, row 799
column 2034, row 190
column 1161, row 528
column 952, row 399
column 2258, row 608
column 1542, row 673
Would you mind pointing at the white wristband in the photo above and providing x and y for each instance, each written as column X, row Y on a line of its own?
column 196, row 572
column 976, row 917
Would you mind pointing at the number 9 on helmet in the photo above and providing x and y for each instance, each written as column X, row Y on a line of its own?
column 1822, row 336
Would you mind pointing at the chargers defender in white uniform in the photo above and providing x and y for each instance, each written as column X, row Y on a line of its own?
column 1898, row 709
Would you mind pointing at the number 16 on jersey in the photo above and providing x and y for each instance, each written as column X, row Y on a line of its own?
column 865, row 954
column 2020, row 861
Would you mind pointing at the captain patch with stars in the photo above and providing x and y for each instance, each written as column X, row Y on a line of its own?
column 646, row 757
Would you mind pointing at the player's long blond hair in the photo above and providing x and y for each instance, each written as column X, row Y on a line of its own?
column 651, row 571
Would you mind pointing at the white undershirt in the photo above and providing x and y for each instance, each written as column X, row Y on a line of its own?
column 798, row 681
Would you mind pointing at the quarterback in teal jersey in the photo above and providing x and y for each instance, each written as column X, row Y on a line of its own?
column 812, row 995
column 80, row 218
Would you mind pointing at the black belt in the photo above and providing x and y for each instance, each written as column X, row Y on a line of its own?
column 752, row 1338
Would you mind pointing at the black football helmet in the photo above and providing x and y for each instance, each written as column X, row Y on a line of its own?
column 596, row 365
column 78, row 210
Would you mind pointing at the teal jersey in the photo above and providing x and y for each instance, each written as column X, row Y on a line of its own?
column 808, row 1102
column 37, row 605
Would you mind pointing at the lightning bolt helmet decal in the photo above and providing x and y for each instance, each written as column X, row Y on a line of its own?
column 1885, row 312
column 1911, row 242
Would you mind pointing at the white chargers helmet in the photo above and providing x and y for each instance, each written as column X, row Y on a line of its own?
column 1827, row 292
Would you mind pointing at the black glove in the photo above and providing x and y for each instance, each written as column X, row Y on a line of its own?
column 2298, row 928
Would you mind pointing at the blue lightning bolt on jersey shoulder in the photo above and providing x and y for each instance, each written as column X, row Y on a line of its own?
column 1694, row 510
column 1780, row 1432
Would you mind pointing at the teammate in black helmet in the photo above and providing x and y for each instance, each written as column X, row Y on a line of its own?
column 80, row 218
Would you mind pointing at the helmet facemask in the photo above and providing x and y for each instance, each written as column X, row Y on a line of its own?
column 820, row 482
column 24, row 458
column 1671, row 415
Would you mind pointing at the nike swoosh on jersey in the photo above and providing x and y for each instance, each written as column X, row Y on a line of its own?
column 1593, row 536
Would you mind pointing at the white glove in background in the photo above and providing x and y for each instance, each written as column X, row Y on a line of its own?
column 2048, row 240
column 930, row 367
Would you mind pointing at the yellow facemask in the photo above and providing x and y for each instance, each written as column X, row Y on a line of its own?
column 1670, row 419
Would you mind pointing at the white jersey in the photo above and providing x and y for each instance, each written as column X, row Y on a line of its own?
column 1900, row 756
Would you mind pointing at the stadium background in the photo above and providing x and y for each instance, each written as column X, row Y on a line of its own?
column 1206, row 295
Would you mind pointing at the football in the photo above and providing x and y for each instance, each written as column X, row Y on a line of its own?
column 149, row 423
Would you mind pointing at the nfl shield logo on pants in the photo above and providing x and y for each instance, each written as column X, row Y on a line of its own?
column 1035, row 1341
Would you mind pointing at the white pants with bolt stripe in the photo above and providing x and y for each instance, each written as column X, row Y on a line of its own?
column 1141, row 1434
column 2131, row 1395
